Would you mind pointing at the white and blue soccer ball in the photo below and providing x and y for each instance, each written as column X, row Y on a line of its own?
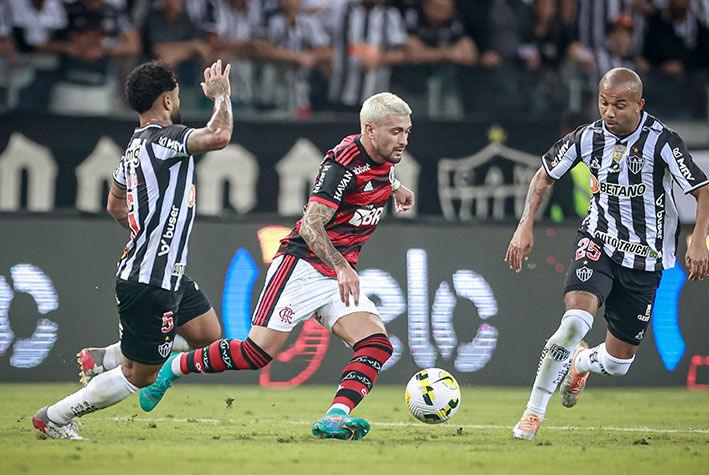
column 433, row 395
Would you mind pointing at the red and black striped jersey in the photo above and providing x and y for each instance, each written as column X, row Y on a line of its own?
column 358, row 189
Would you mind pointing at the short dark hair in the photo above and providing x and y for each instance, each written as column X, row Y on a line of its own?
column 146, row 82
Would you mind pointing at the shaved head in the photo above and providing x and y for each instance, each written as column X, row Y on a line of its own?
column 620, row 101
column 622, row 80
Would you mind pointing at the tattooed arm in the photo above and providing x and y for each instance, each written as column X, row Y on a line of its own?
column 523, row 239
column 217, row 134
column 117, row 204
column 312, row 229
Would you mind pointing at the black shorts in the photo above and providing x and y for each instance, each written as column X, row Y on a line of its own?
column 627, row 293
column 194, row 303
column 147, row 314
column 149, row 317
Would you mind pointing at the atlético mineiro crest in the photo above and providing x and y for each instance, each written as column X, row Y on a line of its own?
column 584, row 273
column 165, row 348
column 635, row 162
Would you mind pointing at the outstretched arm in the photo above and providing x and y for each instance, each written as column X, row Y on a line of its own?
column 217, row 134
column 523, row 238
column 312, row 229
column 697, row 257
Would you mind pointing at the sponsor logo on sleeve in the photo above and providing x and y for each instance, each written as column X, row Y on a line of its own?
column 172, row 144
column 683, row 169
column 340, row 191
column 560, row 154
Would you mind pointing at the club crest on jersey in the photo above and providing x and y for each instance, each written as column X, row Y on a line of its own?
column 584, row 273
column 635, row 161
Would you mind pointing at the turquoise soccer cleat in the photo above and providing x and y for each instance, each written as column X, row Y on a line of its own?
column 338, row 425
column 151, row 395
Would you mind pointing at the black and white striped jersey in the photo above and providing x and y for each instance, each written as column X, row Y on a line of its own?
column 632, row 210
column 158, row 173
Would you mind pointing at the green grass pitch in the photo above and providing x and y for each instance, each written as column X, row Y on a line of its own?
column 205, row 429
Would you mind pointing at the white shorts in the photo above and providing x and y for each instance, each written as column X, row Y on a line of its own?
column 296, row 291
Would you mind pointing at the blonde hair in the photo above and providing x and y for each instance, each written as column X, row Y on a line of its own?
column 376, row 109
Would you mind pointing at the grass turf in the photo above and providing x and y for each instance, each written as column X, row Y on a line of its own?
column 205, row 429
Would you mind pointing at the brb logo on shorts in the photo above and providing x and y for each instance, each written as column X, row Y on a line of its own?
column 366, row 217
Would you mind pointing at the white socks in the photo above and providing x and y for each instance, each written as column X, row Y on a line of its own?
column 556, row 358
column 597, row 360
column 103, row 390
column 113, row 356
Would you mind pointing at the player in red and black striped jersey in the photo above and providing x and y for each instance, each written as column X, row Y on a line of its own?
column 357, row 188
column 313, row 272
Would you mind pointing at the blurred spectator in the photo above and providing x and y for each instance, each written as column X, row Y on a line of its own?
column 95, row 32
column 34, row 23
column 236, row 23
column 552, row 35
column 617, row 51
column 8, row 55
column 7, row 46
column 231, row 40
column 297, row 42
column 676, row 40
column 437, row 44
column 203, row 13
column 368, row 37
column 437, row 35
column 594, row 15
column 510, row 35
column 174, row 37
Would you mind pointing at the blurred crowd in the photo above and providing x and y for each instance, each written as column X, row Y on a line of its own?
column 448, row 58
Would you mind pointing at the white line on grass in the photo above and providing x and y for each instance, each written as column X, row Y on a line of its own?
column 395, row 424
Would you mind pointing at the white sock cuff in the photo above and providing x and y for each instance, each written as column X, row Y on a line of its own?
column 612, row 359
column 581, row 315
column 180, row 344
column 118, row 372
column 113, row 356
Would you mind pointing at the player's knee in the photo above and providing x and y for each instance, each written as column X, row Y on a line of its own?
column 389, row 348
column 575, row 324
column 140, row 379
column 378, row 344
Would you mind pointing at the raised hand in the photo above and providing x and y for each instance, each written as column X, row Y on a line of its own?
column 216, row 82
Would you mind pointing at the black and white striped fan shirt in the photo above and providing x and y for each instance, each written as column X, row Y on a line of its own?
column 158, row 173
column 632, row 209
column 353, row 27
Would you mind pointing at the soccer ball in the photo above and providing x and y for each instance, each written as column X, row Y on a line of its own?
column 433, row 395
